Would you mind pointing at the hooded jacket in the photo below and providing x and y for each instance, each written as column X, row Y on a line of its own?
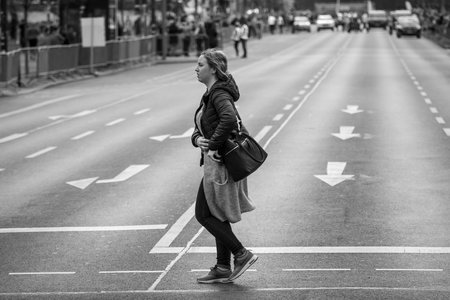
column 218, row 119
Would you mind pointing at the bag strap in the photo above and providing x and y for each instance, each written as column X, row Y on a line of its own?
column 238, row 118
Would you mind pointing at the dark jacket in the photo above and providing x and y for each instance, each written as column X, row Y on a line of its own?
column 219, row 116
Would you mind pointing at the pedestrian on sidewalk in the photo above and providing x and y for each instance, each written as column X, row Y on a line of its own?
column 236, row 36
column 220, row 200
column 244, row 37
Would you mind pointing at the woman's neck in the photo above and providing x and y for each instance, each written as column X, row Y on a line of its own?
column 210, row 84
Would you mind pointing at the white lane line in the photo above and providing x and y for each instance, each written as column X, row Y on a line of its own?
column 287, row 107
column 262, row 133
column 423, row 94
column 207, row 270
column 142, row 111
column 175, row 230
column 83, row 135
column 130, row 272
column 41, row 273
column 440, row 120
column 322, row 250
column 278, row 117
column 447, row 131
column 427, row 101
column 2, row 169
column 125, row 174
column 314, row 270
column 173, row 262
column 41, row 152
column 83, row 229
column 296, row 98
column 301, row 92
column 38, row 105
column 115, row 122
column 411, row 270
column 434, row 110
column 307, row 86
column 419, row 88
column 12, row 137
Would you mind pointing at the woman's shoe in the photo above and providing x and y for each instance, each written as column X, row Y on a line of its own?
column 242, row 263
column 216, row 275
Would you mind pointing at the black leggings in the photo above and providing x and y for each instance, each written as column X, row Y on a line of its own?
column 226, row 241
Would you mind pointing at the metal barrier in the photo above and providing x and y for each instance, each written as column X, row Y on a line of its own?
column 27, row 64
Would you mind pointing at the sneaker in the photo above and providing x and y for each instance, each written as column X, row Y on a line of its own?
column 216, row 275
column 242, row 263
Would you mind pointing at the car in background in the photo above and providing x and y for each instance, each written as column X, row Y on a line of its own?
column 377, row 18
column 408, row 25
column 394, row 15
column 325, row 22
column 302, row 23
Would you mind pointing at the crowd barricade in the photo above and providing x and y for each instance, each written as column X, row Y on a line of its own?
column 9, row 67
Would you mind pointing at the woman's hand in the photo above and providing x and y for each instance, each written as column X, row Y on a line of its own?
column 214, row 155
column 203, row 143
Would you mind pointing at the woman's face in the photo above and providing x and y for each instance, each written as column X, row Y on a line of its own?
column 204, row 72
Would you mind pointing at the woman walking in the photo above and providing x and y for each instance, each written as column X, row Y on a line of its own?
column 220, row 200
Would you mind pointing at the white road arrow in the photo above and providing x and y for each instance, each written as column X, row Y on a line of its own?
column 334, row 173
column 82, row 183
column 188, row 133
column 352, row 109
column 125, row 174
column 346, row 132
column 160, row 138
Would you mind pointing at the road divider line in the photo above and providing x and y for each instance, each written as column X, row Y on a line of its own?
column 41, row 152
column 115, row 122
column 142, row 111
column 13, row 137
column 434, row 110
column 262, row 133
column 447, row 131
column 41, row 273
column 322, row 250
column 175, row 229
column 45, row 103
column 83, row 135
column 278, row 117
column 440, row 120
column 287, row 107
column 82, row 229
column 314, row 270
column 130, row 272
column 411, row 270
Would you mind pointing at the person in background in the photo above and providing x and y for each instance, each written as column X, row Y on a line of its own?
column 244, row 38
column 236, row 36
column 215, row 120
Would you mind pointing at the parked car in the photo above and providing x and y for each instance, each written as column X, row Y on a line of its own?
column 408, row 25
column 325, row 22
column 377, row 18
column 302, row 23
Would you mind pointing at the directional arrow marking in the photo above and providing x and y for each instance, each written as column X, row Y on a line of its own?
column 352, row 109
column 334, row 173
column 346, row 132
column 125, row 174
column 188, row 133
column 82, row 183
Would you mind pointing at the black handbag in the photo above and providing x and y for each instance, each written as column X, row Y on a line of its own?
column 241, row 154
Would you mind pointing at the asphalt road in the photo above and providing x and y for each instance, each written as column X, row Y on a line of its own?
column 98, row 177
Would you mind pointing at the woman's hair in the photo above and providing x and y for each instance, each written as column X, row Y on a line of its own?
column 217, row 60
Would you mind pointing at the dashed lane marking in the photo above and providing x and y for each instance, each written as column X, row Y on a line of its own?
column 83, row 135
column 262, row 133
column 115, row 122
column 278, row 117
column 41, row 152
column 447, row 131
column 12, row 137
column 411, row 270
column 434, row 110
column 315, row 270
column 440, row 120
column 142, row 111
